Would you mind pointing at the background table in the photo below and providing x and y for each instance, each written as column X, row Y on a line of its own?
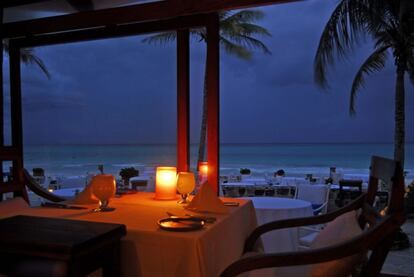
column 148, row 251
column 273, row 208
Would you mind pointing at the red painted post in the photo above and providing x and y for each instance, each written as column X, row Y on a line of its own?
column 183, row 100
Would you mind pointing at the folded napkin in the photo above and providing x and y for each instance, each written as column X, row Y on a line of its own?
column 85, row 197
column 207, row 201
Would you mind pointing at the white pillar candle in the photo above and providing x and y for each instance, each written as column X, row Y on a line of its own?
column 166, row 183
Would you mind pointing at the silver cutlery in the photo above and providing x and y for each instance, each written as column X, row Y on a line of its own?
column 61, row 206
column 207, row 219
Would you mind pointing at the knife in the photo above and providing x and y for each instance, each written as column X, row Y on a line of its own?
column 207, row 219
column 61, row 206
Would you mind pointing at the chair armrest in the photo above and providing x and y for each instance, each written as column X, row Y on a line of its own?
column 365, row 241
column 320, row 207
column 39, row 190
column 297, row 222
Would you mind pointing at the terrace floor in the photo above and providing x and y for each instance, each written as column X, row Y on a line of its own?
column 401, row 262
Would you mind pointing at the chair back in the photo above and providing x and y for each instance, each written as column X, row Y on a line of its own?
column 17, row 179
column 12, row 181
column 317, row 195
column 381, row 229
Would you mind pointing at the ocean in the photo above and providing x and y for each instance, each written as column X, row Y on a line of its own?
column 261, row 159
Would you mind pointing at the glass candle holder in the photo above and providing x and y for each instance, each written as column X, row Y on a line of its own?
column 166, row 183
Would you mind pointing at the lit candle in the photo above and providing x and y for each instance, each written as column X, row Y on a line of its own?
column 203, row 168
column 202, row 171
column 166, row 183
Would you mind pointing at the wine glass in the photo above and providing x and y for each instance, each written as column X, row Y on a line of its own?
column 185, row 185
column 103, row 188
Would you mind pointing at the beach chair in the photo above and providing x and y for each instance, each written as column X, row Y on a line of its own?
column 339, row 250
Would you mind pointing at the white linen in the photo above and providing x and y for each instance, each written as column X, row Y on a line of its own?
column 206, row 201
column 273, row 208
column 149, row 251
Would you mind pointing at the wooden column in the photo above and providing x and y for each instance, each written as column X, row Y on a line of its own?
column 1, row 101
column 213, row 97
column 1, row 88
column 16, row 115
column 183, row 100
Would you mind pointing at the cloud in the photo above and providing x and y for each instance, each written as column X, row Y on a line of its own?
column 124, row 91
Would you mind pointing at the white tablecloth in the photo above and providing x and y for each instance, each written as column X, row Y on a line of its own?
column 273, row 208
column 149, row 251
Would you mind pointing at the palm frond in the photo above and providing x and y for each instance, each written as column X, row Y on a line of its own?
column 236, row 33
column 246, row 29
column 161, row 38
column 28, row 57
column 199, row 34
column 245, row 16
column 250, row 43
column 343, row 30
column 235, row 49
column 374, row 63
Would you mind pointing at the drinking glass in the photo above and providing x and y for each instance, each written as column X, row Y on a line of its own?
column 185, row 185
column 103, row 188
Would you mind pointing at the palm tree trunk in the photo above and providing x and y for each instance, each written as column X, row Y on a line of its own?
column 203, row 127
column 399, row 136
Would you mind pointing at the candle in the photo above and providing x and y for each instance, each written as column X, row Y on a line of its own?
column 202, row 171
column 203, row 168
column 166, row 183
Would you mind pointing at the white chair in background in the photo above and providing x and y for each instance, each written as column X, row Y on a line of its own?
column 318, row 196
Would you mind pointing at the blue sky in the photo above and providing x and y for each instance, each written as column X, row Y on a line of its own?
column 123, row 90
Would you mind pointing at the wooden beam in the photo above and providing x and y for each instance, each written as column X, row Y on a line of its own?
column 183, row 100
column 153, row 11
column 113, row 31
column 213, row 105
column 14, row 3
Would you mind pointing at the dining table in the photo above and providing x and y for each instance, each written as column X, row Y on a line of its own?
column 148, row 250
column 276, row 208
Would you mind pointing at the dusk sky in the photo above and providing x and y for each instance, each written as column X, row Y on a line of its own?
column 124, row 91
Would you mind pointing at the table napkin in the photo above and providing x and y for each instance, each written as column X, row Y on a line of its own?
column 207, row 201
column 85, row 197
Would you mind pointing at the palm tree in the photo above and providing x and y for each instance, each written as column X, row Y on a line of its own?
column 391, row 26
column 28, row 57
column 237, row 37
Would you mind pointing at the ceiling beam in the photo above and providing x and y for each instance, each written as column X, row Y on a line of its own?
column 14, row 3
column 82, row 5
column 123, row 15
column 193, row 21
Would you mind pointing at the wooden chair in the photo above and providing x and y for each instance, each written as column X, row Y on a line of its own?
column 23, row 180
column 377, row 237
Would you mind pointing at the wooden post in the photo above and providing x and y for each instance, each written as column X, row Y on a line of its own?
column 1, row 89
column 15, row 97
column 16, row 116
column 1, row 101
column 213, row 103
column 183, row 100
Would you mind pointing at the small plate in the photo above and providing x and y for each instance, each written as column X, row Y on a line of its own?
column 181, row 224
